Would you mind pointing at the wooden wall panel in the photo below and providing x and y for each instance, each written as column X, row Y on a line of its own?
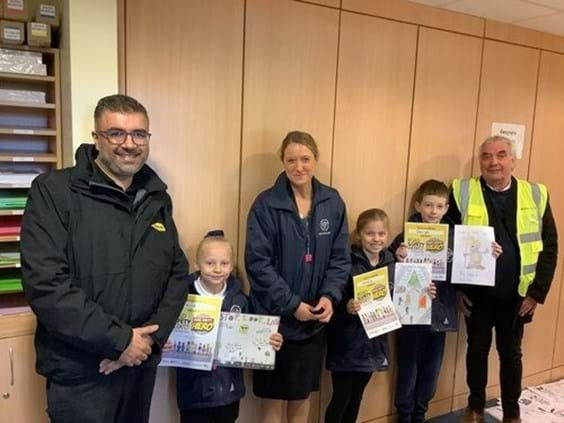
column 514, row 34
column 507, row 94
column 193, row 103
column 374, row 96
column 546, row 167
column 330, row 3
column 407, row 11
column 445, row 105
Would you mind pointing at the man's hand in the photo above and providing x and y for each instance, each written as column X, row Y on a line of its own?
column 528, row 306
column 139, row 347
column 304, row 312
column 323, row 310
column 108, row 366
column 463, row 303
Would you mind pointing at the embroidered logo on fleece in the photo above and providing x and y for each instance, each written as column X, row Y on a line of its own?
column 324, row 227
column 159, row 227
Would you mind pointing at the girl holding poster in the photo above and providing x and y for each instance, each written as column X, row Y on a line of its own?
column 351, row 355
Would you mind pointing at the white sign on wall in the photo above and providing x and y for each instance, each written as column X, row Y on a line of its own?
column 513, row 131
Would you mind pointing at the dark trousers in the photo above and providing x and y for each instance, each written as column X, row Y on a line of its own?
column 123, row 396
column 348, row 388
column 488, row 313
column 419, row 358
column 223, row 414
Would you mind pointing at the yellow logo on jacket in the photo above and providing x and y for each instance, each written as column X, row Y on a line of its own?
column 158, row 226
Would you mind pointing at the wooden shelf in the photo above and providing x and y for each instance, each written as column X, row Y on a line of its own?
column 9, row 238
column 11, row 212
column 28, row 131
column 28, row 158
column 25, row 77
column 27, row 105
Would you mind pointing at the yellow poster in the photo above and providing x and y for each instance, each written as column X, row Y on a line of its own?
column 194, row 336
column 428, row 243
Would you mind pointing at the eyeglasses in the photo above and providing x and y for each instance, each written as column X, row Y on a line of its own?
column 118, row 136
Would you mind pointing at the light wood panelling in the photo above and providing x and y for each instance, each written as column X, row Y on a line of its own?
column 507, row 94
column 374, row 96
column 546, row 167
column 502, row 31
column 331, row 3
column 186, row 67
column 445, row 105
column 403, row 10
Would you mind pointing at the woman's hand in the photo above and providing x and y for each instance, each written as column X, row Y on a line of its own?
column 353, row 306
column 323, row 310
column 304, row 312
column 276, row 341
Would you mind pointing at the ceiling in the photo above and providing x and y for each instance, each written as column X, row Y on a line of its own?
column 542, row 15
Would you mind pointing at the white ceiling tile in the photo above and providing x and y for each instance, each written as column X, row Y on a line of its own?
column 553, row 24
column 555, row 4
column 500, row 10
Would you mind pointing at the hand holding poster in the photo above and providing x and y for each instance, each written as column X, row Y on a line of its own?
column 244, row 341
column 195, row 334
column 428, row 243
column 411, row 295
column 473, row 262
column 377, row 312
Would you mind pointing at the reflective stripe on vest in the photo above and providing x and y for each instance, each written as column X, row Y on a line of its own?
column 531, row 205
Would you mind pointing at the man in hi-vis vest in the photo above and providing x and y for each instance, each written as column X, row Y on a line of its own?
column 520, row 214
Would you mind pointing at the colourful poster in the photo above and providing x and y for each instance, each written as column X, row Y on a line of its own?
column 194, row 336
column 244, row 341
column 411, row 293
column 473, row 262
column 377, row 312
column 428, row 243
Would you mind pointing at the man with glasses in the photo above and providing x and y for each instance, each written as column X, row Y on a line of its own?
column 103, row 272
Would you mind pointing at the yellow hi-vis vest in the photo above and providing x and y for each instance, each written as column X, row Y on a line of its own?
column 531, row 204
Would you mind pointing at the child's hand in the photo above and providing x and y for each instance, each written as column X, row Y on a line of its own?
column 167, row 347
column 353, row 306
column 432, row 290
column 496, row 249
column 401, row 252
column 276, row 341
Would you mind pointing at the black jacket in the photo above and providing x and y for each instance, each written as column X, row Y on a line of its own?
column 277, row 242
column 547, row 260
column 444, row 314
column 97, row 262
column 348, row 347
column 221, row 385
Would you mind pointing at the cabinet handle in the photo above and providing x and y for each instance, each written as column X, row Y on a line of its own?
column 11, row 354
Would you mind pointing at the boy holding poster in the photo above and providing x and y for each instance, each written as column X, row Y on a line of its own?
column 420, row 347
column 213, row 396
column 352, row 356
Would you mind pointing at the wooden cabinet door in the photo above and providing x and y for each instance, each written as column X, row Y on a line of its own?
column 22, row 390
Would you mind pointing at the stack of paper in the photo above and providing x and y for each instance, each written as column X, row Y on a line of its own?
column 10, row 225
column 12, row 200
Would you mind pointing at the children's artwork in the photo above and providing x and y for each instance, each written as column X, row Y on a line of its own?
column 473, row 262
column 194, row 336
column 411, row 296
column 428, row 243
column 377, row 312
column 244, row 341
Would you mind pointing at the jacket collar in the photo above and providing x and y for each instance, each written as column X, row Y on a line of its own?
column 233, row 288
column 86, row 174
column 386, row 257
column 282, row 197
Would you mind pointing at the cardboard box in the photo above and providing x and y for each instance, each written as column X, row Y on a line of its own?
column 47, row 11
column 17, row 10
column 12, row 32
column 38, row 34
